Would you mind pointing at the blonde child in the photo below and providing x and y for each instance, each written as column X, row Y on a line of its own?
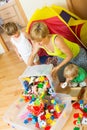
column 75, row 76
column 20, row 42
column 56, row 45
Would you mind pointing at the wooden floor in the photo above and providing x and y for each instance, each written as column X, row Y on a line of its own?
column 10, row 69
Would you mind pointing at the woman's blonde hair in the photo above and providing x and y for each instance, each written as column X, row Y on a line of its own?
column 70, row 70
column 38, row 31
column 10, row 28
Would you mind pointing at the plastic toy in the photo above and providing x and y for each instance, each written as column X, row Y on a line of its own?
column 64, row 85
column 81, row 103
column 42, row 103
column 37, row 85
column 76, row 105
column 76, row 128
column 41, row 112
column 84, row 121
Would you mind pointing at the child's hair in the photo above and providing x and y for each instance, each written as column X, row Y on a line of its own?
column 38, row 31
column 70, row 70
column 10, row 28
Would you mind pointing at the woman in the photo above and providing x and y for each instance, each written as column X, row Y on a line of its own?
column 56, row 45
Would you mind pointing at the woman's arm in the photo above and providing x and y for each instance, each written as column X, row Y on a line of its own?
column 35, row 49
column 65, row 49
column 31, row 59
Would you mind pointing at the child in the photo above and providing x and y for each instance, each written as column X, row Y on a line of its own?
column 74, row 75
column 20, row 42
column 56, row 45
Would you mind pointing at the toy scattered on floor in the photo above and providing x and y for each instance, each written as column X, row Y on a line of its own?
column 76, row 128
column 80, row 118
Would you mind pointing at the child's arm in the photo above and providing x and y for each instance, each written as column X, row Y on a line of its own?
column 26, row 35
column 32, row 55
column 15, row 49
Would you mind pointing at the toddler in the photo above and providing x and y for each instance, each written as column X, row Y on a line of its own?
column 75, row 76
column 20, row 42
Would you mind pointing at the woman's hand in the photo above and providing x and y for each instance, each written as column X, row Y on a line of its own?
column 35, row 47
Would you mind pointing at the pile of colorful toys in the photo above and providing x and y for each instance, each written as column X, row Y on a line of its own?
column 80, row 118
column 43, row 107
column 37, row 85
